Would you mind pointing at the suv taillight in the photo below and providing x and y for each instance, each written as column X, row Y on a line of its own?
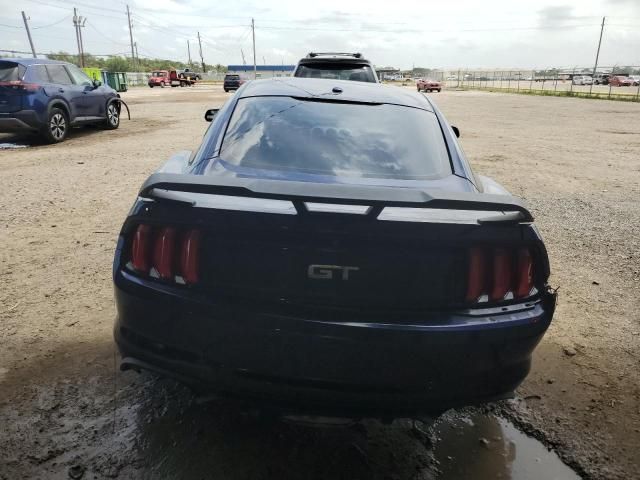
column 166, row 253
column 20, row 85
column 497, row 274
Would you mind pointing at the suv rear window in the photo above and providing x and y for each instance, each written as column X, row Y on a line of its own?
column 335, row 139
column 358, row 73
column 232, row 77
column 11, row 71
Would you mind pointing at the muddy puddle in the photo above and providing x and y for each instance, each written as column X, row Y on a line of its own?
column 140, row 427
column 486, row 447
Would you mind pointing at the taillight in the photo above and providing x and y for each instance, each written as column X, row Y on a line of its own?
column 502, row 274
column 163, row 248
column 166, row 253
column 524, row 273
column 190, row 256
column 477, row 274
column 20, row 85
column 140, row 254
column 497, row 274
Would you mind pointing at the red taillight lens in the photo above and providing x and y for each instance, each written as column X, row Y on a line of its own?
column 20, row 85
column 524, row 273
column 166, row 253
column 163, row 252
column 190, row 256
column 140, row 254
column 502, row 274
column 499, row 274
column 477, row 274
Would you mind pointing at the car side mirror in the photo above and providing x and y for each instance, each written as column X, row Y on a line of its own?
column 456, row 130
column 209, row 114
column 96, row 83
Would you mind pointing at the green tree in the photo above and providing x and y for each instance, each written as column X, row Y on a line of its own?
column 117, row 64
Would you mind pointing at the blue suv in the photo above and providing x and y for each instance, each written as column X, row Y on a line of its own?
column 49, row 97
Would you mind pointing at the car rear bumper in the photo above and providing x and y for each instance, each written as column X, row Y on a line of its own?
column 339, row 368
column 23, row 120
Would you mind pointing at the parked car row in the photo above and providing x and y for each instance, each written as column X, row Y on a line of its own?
column 616, row 80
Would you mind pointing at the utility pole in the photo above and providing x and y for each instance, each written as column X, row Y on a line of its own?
column 83, row 20
column 189, row 54
column 77, row 29
column 26, row 26
column 79, row 22
column 135, row 47
column 204, row 67
column 130, row 35
column 244, row 62
column 253, row 31
column 595, row 67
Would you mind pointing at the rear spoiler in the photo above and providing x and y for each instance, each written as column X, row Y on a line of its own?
column 377, row 198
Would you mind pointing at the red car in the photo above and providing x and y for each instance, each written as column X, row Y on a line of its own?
column 620, row 81
column 428, row 85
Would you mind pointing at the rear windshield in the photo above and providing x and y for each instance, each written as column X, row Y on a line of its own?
column 11, row 71
column 358, row 73
column 336, row 139
column 232, row 77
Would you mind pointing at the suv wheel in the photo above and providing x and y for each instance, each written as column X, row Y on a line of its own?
column 113, row 117
column 57, row 126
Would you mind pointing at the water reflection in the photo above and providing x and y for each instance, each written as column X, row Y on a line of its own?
column 178, row 438
column 480, row 447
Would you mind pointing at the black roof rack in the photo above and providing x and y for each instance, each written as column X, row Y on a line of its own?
column 335, row 54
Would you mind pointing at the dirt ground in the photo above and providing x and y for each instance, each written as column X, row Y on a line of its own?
column 64, row 413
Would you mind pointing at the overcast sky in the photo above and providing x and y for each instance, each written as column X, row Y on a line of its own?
column 400, row 33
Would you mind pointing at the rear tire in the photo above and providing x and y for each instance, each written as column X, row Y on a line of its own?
column 113, row 117
column 226, row 90
column 57, row 126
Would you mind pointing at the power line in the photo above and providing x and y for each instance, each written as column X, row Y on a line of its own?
column 52, row 24
column 106, row 36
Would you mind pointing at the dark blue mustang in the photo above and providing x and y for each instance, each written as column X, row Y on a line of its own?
column 328, row 249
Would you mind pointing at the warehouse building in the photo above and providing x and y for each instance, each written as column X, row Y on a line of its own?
column 263, row 71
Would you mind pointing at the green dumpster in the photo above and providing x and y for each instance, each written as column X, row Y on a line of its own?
column 117, row 81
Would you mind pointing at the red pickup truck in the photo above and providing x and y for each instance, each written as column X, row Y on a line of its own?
column 163, row 78
column 428, row 85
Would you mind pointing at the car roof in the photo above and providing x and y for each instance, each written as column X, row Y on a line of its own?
column 332, row 59
column 33, row 61
column 323, row 88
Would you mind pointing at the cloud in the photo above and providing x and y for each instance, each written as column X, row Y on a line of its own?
column 555, row 15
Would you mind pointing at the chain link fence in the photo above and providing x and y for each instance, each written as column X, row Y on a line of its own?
column 619, row 83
